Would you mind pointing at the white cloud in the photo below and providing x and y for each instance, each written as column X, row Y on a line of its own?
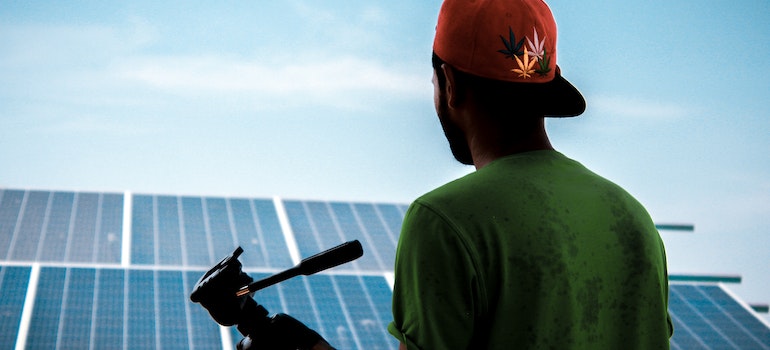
column 104, row 65
column 331, row 78
column 101, row 64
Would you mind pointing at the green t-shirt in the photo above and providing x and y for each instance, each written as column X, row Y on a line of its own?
column 533, row 251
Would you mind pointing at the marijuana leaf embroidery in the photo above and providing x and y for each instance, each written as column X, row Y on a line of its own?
column 512, row 48
column 525, row 67
column 543, row 64
column 538, row 47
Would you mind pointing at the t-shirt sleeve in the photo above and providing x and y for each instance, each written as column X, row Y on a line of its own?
column 436, row 291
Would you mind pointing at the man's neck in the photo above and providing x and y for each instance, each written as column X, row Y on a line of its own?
column 493, row 143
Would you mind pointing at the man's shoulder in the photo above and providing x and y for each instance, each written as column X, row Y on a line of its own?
column 517, row 171
column 522, row 182
column 453, row 193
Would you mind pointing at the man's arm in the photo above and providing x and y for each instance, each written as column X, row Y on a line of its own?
column 435, row 279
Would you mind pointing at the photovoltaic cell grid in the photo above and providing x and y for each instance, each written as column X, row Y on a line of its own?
column 198, row 232
column 101, row 308
column 13, row 289
column 60, row 226
column 107, row 308
column 351, row 312
column 707, row 317
column 174, row 239
column 321, row 225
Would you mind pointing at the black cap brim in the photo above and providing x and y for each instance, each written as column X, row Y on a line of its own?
column 559, row 98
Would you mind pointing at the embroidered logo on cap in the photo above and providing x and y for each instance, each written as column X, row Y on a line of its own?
column 534, row 53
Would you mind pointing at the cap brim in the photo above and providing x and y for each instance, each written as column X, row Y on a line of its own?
column 559, row 98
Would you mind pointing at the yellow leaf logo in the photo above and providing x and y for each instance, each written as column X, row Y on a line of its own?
column 525, row 66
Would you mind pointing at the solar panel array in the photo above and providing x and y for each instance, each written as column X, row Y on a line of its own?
column 70, row 277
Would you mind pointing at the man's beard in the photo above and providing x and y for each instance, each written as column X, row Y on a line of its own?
column 453, row 134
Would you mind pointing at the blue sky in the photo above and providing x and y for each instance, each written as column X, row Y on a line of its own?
column 332, row 100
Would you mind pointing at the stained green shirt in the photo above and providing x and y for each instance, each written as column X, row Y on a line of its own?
column 533, row 251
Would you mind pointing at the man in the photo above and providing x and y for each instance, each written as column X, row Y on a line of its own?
column 532, row 250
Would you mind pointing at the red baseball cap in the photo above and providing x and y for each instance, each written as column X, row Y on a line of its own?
column 508, row 40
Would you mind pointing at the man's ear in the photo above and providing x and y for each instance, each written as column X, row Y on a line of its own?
column 451, row 90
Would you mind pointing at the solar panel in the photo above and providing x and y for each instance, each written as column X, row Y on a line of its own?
column 85, row 308
column 706, row 316
column 109, row 307
column 57, row 228
column 13, row 288
column 47, row 309
column 198, row 231
column 69, row 246
column 350, row 311
column 321, row 225
column 169, row 238
column 30, row 225
column 60, row 226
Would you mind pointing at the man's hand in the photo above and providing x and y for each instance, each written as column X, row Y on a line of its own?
column 283, row 332
column 215, row 290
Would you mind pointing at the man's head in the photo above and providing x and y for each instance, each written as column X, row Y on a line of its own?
column 470, row 107
column 499, row 57
column 508, row 41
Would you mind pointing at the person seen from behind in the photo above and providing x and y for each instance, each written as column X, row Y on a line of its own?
column 532, row 250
